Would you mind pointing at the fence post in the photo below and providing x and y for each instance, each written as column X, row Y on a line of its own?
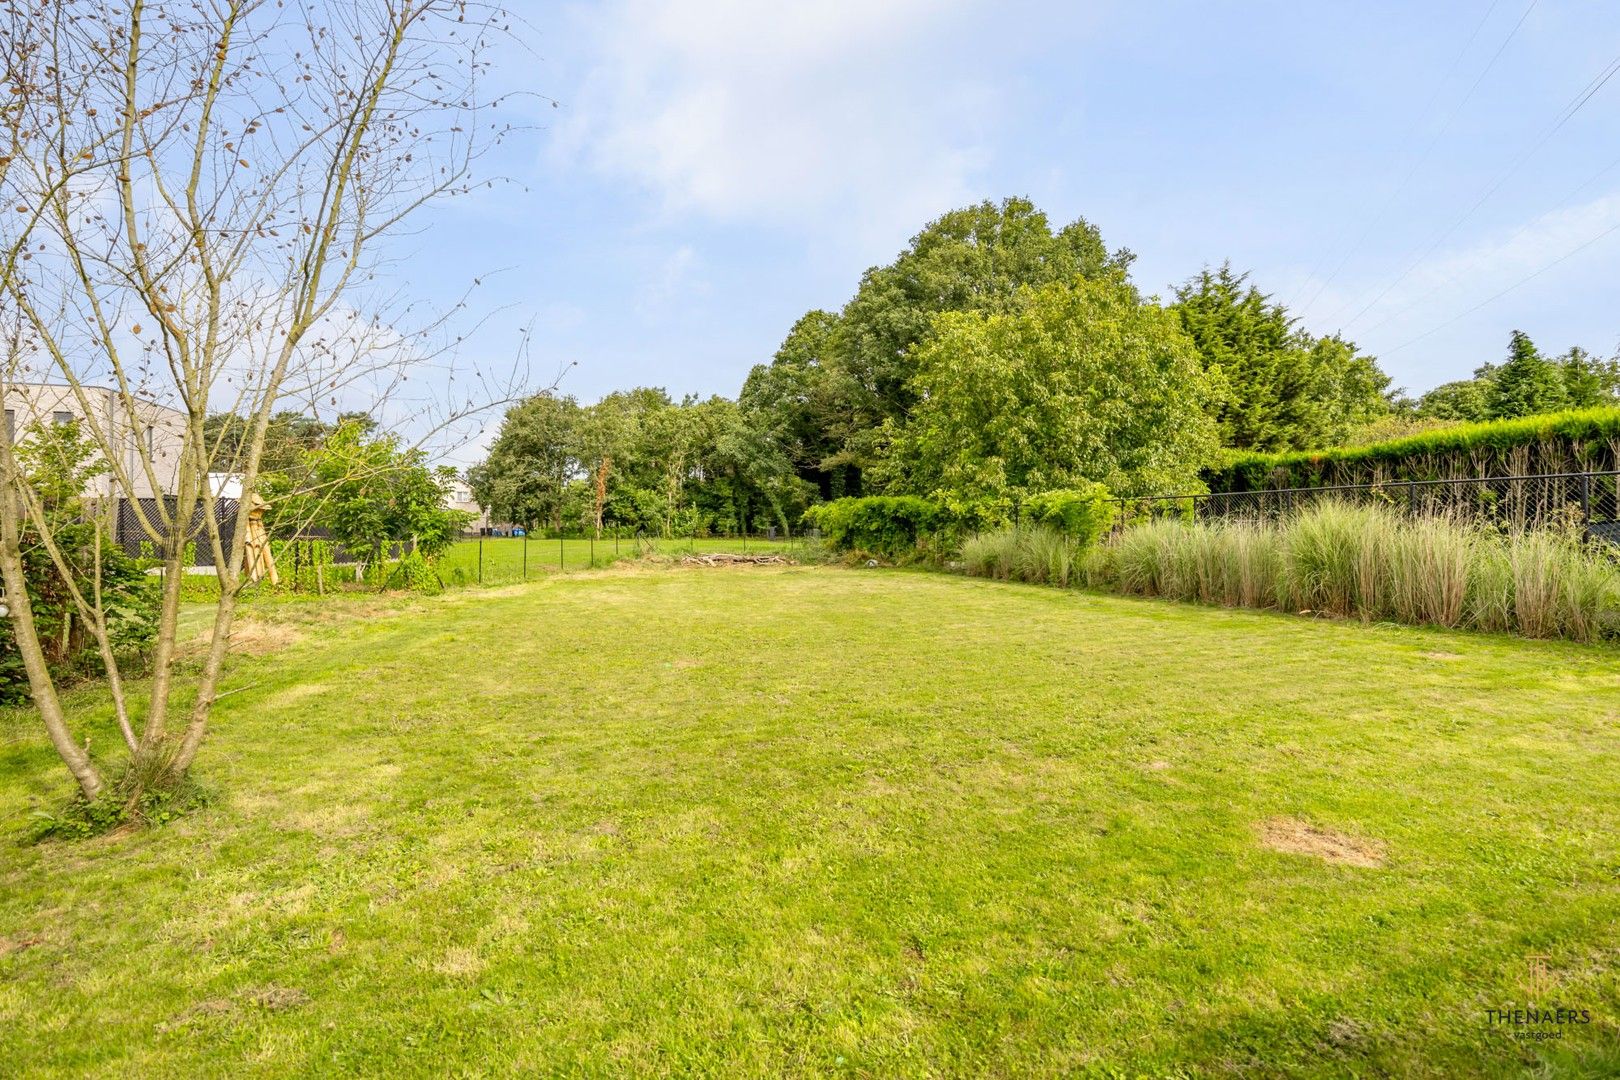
column 525, row 554
column 593, row 549
column 1586, row 499
column 560, row 556
column 480, row 558
column 615, row 540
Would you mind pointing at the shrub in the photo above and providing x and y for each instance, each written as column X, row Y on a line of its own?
column 893, row 526
column 1083, row 514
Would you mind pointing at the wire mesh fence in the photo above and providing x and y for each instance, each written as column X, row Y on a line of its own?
column 1584, row 500
column 496, row 560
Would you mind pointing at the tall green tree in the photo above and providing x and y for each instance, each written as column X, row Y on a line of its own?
column 535, row 455
column 1527, row 383
column 1076, row 381
column 1589, row 381
column 838, row 380
column 1277, row 387
column 973, row 260
column 796, row 405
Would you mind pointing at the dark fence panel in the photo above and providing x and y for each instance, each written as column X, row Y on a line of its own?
column 159, row 513
column 1588, row 500
column 136, row 542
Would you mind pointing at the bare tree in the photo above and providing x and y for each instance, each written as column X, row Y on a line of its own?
column 200, row 194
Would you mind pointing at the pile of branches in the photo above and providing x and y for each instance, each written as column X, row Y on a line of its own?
column 727, row 559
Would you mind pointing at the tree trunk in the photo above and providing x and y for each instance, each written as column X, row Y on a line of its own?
column 208, row 683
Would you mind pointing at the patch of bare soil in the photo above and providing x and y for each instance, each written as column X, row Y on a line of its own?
column 268, row 998
column 1302, row 838
column 18, row 942
column 254, row 638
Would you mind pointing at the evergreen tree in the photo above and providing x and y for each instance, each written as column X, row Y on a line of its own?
column 1527, row 383
column 1589, row 382
column 1277, row 388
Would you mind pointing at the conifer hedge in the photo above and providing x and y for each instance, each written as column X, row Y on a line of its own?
column 1587, row 440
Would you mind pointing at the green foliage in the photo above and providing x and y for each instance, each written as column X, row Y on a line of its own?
column 1559, row 442
column 157, row 804
column 1077, row 382
column 640, row 460
column 59, row 462
column 893, row 526
column 840, row 379
column 1372, row 563
column 416, row 573
column 530, row 462
column 1465, row 400
column 1276, row 387
column 1082, row 513
column 288, row 437
column 1527, row 384
column 797, row 406
column 370, row 492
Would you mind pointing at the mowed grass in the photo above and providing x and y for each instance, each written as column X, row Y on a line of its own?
column 507, row 560
column 760, row 821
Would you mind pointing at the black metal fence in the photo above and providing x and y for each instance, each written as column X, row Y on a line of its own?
column 1586, row 500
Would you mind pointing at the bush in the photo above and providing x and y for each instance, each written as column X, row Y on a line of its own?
column 59, row 462
column 1083, row 514
column 1370, row 562
column 899, row 527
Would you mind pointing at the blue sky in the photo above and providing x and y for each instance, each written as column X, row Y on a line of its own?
column 714, row 168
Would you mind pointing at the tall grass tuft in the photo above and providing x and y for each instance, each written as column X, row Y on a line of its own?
column 1034, row 553
column 1371, row 562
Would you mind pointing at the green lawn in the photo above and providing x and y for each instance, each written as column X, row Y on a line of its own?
column 748, row 822
column 506, row 560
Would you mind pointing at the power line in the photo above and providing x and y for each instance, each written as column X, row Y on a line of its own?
column 1427, row 149
column 1454, row 278
column 1586, row 94
column 1522, row 281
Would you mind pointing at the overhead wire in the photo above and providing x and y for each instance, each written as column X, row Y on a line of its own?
column 1428, row 148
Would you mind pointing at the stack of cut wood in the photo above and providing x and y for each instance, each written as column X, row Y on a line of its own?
column 728, row 559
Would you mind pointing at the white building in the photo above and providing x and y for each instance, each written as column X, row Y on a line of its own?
column 460, row 497
column 161, row 430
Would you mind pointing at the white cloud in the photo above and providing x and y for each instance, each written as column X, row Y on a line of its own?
column 679, row 276
column 1459, row 301
column 842, row 114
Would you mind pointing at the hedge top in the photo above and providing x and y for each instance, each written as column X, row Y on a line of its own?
column 1579, row 440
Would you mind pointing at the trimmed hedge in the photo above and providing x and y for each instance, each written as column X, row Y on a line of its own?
column 1584, row 441
column 893, row 526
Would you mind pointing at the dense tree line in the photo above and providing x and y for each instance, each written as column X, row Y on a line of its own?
column 639, row 460
column 995, row 357
column 1526, row 383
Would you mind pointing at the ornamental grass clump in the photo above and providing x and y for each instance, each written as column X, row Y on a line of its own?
column 1374, row 562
